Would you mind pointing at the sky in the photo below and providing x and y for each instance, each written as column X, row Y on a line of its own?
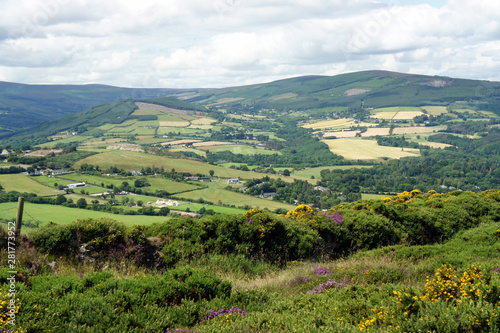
column 222, row 43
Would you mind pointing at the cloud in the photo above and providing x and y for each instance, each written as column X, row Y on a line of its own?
column 199, row 43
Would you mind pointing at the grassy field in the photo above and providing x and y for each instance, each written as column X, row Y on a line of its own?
column 129, row 160
column 157, row 183
column 395, row 109
column 435, row 110
column 64, row 215
column 233, row 198
column 355, row 149
column 240, row 149
column 316, row 172
column 22, row 183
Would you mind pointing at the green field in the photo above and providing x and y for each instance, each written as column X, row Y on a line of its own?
column 64, row 215
column 395, row 109
column 22, row 183
column 241, row 149
column 129, row 160
column 157, row 183
column 233, row 198
column 316, row 172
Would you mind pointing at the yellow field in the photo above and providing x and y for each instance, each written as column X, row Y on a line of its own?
column 180, row 142
column 192, row 150
column 356, row 149
column 212, row 143
column 174, row 123
column 203, row 121
column 407, row 115
column 384, row 115
column 435, row 110
column 330, row 124
column 400, row 115
column 341, row 134
column 435, row 145
column 416, row 130
column 376, row 131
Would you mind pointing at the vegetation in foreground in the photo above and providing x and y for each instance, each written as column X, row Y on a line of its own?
column 412, row 262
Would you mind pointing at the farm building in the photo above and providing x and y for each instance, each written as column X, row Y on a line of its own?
column 233, row 181
column 76, row 185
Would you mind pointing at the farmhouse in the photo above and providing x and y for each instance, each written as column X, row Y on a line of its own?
column 166, row 203
column 76, row 185
column 268, row 195
column 233, row 181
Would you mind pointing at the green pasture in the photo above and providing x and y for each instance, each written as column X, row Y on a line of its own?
column 241, row 149
column 190, row 150
column 395, row 109
column 229, row 164
column 65, row 215
column 157, row 183
column 71, row 139
column 369, row 196
column 195, row 207
column 232, row 198
column 181, row 130
column 434, row 110
column 23, row 183
column 50, row 181
column 316, row 172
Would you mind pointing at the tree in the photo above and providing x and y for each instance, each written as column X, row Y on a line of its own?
column 211, row 172
column 164, row 211
column 286, row 172
column 81, row 203
column 60, row 199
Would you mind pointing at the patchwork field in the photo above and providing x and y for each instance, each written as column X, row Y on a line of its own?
column 356, row 149
column 233, row 198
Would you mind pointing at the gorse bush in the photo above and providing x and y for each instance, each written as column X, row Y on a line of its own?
column 467, row 296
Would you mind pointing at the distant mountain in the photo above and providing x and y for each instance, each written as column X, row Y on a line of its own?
column 369, row 89
column 23, row 105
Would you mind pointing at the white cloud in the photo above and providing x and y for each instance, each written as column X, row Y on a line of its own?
column 199, row 43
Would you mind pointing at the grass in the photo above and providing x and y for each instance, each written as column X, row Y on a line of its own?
column 157, row 183
column 355, row 149
column 232, row 198
column 395, row 109
column 129, row 160
column 65, row 215
column 23, row 183
column 435, row 110
column 316, row 172
column 241, row 149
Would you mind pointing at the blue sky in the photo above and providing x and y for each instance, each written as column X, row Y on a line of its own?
column 218, row 43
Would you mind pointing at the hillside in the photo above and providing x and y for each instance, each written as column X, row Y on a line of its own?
column 412, row 262
column 23, row 105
